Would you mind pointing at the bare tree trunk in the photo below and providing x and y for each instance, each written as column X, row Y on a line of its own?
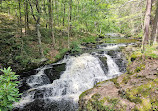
column 154, row 33
column 38, row 28
column 51, row 21
column 69, row 26
column 45, row 11
column 39, row 39
column 26, row 17
column 50, row 13
column 70, row 16
column 20, row 18
column 147, row 23
column 57, row 10
column 64, row 15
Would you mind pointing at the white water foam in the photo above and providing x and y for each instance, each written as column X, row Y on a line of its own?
column 81, row 74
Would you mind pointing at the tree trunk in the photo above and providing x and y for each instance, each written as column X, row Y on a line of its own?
column 70, row 15
column 20, row 18
column 26, row 17
column 51, row 21
column 147, row 23
column 154, row 33
column 64, row 15
column 50, row 13
column 69, row 26
column 44, row 8
column 38, row 28
column 39, row 40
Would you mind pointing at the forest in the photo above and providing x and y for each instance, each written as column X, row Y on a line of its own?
column 35, row 33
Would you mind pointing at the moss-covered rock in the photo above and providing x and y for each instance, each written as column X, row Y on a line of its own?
column 136, row 90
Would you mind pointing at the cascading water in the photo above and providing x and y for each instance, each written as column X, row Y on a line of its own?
column 113, row 69
column 82, row 73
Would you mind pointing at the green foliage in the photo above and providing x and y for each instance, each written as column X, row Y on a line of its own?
column 91, row 39
column 150, row 52
column 8, row 89
column 61, row 53
column 75, row 47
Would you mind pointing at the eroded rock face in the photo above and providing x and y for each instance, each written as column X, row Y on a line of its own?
column 135, row 90
column 54, row 72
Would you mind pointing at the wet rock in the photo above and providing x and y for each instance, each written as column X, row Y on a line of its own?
column 90, row 45
column 104, row 65
column 36, row 105
column 39, row 94
column 112, row 35
column 28, row 73
column 135, row 91
column 55, row 72
column 23, row 86
column 121, row 64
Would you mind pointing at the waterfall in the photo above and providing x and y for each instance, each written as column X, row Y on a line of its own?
column 82, row 73
column 113, row 69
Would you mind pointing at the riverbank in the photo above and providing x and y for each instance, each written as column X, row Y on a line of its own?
column 21, row 51
column 137, row 89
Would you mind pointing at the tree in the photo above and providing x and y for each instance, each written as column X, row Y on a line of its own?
column 20, row 20
column 154, row 33
column 147, row 23
column 37, row 19
column 51, row 21
column 26, row 16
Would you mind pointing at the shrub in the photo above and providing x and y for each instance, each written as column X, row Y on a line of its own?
column 8, row 89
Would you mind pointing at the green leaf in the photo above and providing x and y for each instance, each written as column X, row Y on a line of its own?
column 11, row 98
column 8, row 89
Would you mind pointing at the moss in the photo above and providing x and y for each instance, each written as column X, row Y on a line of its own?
column 126, row 79
column 113, row 101
column 156, row 80
column 114, row 80
column 94, row 104
column 116, row 40
column 155, row 105
column 135, row 55
column 84, row 93
column 97, row 104
column 99, row 83
column 135, row 109
column 136, row 94
column 133, row 98
column 140, row 67
column 146, row 105
column 96, row 96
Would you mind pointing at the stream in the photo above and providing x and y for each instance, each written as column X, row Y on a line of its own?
column 57, row 87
